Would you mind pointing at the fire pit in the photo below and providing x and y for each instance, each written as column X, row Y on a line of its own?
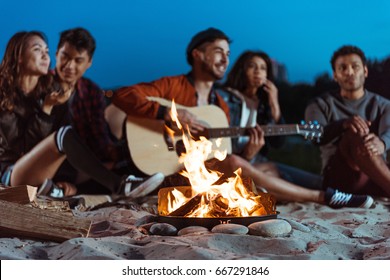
column 210, row 200
column 180, row 217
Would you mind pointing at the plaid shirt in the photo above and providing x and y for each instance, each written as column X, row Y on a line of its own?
column 87, row 111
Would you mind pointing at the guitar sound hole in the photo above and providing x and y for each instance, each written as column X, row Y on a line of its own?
column 180, row 148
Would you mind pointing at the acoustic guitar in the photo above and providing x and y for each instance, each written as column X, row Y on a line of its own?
column 153, row 150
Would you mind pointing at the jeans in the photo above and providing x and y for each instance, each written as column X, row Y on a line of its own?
column 300, row 177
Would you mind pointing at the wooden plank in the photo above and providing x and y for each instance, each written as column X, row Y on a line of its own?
column 19, row 194
column 92, row 200
column 27, row 222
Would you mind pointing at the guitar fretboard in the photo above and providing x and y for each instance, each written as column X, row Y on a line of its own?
column 275, row 130
column 269, row 130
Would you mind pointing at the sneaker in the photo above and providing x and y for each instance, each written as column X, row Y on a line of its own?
column 137, row 187
column 49, row 188
column 337, row 199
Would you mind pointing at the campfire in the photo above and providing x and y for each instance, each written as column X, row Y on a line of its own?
column 208, row 196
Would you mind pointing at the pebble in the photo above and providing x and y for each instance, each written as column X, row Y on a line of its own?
column 192, row 230
column 230, row 229
column 163, row 229
column 270, row 228
column 298, row 226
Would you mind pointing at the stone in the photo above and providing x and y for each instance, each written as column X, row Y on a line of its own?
column 298, row 226
column 230, row 229
column 192, row 230
column 163, row 229
column 270, row 228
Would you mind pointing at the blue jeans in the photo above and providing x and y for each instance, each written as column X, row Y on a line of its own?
column 300, row 177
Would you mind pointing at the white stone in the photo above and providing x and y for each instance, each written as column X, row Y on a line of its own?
column 270, row 228
column 192, row 230
column 230, row 229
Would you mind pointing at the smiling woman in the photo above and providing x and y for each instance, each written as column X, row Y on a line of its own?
column 23, row 83
column 35, row 139
column 36, row 57
column 25, row 64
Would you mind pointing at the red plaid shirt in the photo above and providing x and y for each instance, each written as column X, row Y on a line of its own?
column 87, row 112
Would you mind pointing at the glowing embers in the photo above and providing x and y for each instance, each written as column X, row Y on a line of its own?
column 215, row 206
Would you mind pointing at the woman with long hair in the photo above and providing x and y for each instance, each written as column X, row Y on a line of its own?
column 253, row 100
column 33, row 141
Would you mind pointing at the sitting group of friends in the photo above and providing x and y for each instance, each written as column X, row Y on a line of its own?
column 54, row 132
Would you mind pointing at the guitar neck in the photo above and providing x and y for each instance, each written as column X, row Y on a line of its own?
column 269, row 130
column 279, row 130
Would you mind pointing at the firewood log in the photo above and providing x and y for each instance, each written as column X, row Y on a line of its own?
column 188, row 207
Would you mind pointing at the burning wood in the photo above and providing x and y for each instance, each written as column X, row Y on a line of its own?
column 264, row 204
column 234, row 197
column 188, row 207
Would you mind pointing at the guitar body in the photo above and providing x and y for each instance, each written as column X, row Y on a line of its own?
column 148, row 148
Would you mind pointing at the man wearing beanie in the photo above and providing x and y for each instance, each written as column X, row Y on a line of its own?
column 208, row 54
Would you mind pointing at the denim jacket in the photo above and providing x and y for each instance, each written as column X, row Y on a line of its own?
column 236, row 103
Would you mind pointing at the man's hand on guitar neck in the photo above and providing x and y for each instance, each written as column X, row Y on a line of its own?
column 186, row 119
column 255, row 143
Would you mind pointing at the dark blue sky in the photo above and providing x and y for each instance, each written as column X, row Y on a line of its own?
column 144, row 40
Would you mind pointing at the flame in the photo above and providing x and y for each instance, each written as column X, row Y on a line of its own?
column 174, row 115
column 231, row 198
column 176, row 199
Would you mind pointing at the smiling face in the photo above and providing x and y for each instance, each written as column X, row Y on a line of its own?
column 35, row 59
column 214, row 58
column 350, row 72
column 71, row 64
column 256, row 72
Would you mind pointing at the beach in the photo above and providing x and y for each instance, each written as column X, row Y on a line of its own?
column 317, row 233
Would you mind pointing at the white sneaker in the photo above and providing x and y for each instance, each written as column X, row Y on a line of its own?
column 49, row 188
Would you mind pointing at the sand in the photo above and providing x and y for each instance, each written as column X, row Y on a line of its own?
column 318, row 233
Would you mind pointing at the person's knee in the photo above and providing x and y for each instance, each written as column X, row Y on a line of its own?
column 350, row 138
column 237, row 162
column 61, row 135
column 350, row 145
column 270, row 168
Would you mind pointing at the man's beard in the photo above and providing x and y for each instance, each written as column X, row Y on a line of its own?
column 358, row 83
column 209, row 70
